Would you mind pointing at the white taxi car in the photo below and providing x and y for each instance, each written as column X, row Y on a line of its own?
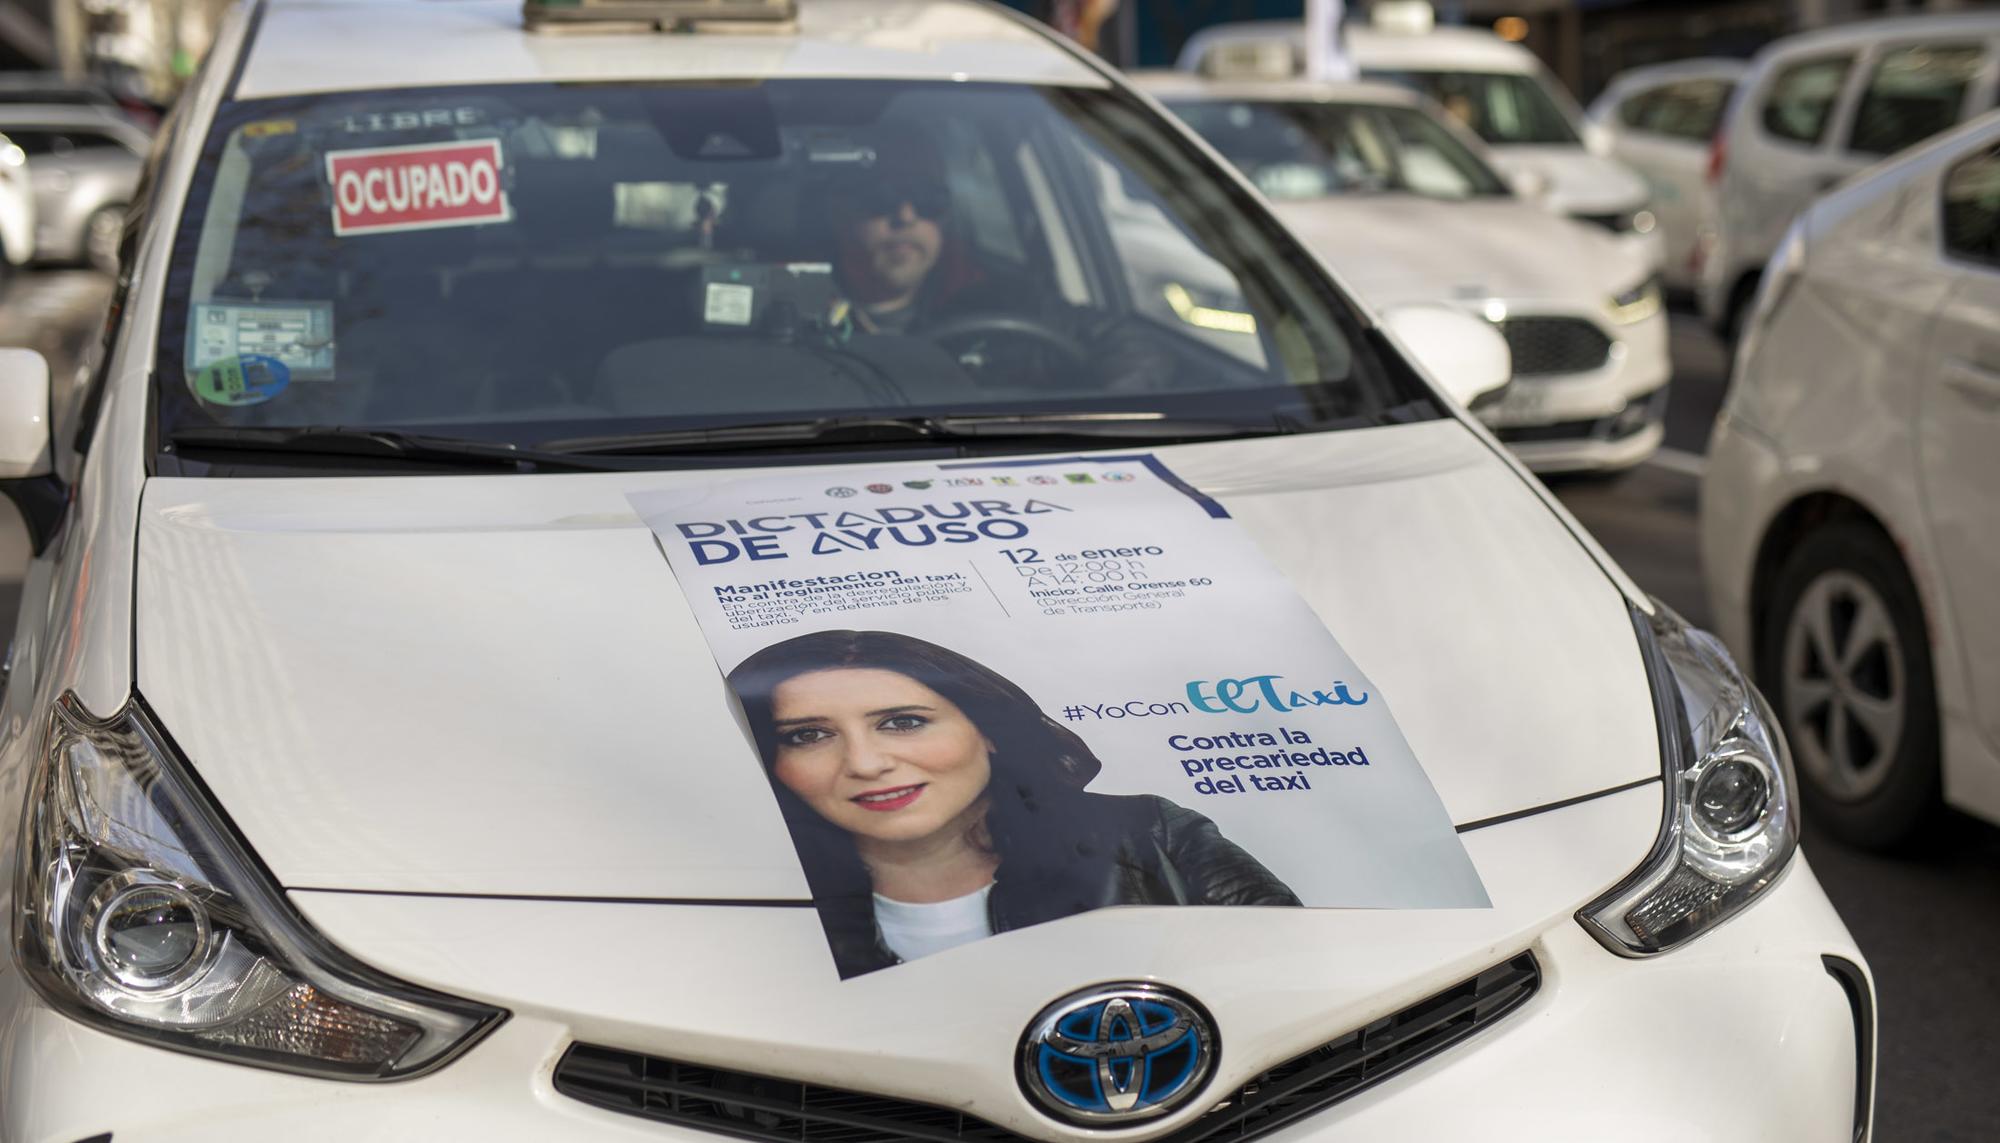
column 376, row 779
column 1537, row 133
column 1406, row 210
column 1847, row 508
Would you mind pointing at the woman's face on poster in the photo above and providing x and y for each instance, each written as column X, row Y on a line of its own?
column 878, row 753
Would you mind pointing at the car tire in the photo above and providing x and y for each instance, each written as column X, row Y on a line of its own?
column 101, row 234
column 1845, row 660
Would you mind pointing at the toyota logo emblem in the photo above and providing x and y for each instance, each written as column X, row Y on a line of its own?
column 1117, row 1054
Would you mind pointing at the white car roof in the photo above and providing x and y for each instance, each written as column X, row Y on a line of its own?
column 1163, row 84
column 1440, row 49
column 306, row 46
column 1633, row 80
column 1863, row 32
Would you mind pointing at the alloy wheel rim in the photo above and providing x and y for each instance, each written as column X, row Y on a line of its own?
column 1845, row 685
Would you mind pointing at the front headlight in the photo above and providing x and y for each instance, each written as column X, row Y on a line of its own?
column 1636, row 304
column 1731, row 823
column 138, row 912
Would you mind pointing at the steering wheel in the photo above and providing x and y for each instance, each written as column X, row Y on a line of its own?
column 1013, row 325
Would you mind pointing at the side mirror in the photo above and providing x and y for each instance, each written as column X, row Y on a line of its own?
column 1530, row 183
column 24, row 415
column 1596, row 137
column 1465, row 355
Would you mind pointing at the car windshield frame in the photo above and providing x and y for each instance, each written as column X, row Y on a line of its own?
column 1321, row 120
column 1550, row 123
column 1378, row 387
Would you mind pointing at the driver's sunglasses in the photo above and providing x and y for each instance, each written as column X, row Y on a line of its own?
column 930, row 200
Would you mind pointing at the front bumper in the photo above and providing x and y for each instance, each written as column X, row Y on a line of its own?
column 1742, row 1035
column 1600, row 419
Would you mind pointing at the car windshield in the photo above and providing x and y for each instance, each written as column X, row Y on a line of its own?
column 545, row 265
column 1294, row 150
column 1500, row 107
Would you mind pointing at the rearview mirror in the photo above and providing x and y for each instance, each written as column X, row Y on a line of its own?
column 24, row 415
column 1465, row 355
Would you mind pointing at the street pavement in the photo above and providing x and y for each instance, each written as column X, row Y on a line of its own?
column 1928, row 921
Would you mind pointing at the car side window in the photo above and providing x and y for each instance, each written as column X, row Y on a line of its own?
column 1689, row 109
column 1914, row 92
column 1802, row 97
column 1971, row 221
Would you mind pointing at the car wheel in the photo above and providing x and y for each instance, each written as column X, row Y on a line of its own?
column 100, row 237
column 1846, row 661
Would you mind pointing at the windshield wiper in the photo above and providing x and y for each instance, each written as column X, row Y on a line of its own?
column 866, row 430
column 336, row 440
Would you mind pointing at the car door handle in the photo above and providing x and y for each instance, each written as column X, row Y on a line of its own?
column 1976, row 383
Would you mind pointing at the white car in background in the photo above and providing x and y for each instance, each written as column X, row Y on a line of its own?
column 1820, row 106
column 1848, row 519
column 17, row 207
column 1661, row 121
column 1538, row 135
column 374, row 779
column 1401, row 203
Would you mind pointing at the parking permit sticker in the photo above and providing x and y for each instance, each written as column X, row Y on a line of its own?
column 248, row 380
column 728, row 304
column 419, row 187
column 300, row 334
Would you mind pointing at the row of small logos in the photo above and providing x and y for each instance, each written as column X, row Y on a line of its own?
column 841, row 492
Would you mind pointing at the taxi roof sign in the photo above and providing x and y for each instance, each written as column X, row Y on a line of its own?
column 665, row 15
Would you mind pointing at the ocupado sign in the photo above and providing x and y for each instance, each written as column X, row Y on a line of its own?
column 420, row 187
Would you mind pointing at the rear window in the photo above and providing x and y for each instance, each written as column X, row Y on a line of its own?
column 1915, row 92
column 1499, row 107
column 1689, row 109
column 1972, row 208
column 1802, row 97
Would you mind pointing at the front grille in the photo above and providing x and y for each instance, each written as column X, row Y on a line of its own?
column 1543, row 345
column 762, row 1108
column 1617, row 223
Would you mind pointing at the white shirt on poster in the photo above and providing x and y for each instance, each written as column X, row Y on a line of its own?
column 913, row 931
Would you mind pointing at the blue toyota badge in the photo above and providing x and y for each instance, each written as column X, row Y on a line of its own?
column 1117, row 1054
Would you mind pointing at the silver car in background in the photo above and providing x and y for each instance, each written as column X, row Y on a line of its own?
column 84, row 163
column 1661, row 121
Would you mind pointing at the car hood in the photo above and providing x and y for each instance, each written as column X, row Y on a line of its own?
column 492, row 684
column 1399, row 249
column 1579, row 181
column 471, row 725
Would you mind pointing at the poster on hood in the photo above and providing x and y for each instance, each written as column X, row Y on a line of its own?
column 994, row 695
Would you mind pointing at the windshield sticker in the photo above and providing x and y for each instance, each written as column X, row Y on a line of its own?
column 266, row 128
column 248, row 380
column 988, row 696
column 300, row 334
column 419, row 187
column 428, row 119
column 728, row 304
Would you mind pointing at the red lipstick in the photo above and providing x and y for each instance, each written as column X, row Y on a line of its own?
column 888, row 798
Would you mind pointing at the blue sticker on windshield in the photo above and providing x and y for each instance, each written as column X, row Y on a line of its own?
column 251, row 379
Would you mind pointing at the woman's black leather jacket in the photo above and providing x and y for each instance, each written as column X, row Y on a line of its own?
column 1125, row 850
